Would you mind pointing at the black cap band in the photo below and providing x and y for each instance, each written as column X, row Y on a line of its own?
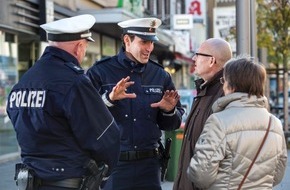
column 66, row 36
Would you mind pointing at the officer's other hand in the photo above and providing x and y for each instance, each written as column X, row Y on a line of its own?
column 168, row 101
column 119, row 91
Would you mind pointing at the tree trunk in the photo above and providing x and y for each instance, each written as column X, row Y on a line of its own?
column 286, row 95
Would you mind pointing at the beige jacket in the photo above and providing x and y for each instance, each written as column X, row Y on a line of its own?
column 229, row 142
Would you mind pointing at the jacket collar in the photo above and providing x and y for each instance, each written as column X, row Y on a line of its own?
column 61, row 54
column 202, row 85
column 239, row 99
column 128, row 63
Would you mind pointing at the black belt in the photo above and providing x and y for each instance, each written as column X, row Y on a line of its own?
column 138, row 155
column 67, row 183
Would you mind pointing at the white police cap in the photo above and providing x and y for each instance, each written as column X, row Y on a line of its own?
column 70, row 29
column 144, row 28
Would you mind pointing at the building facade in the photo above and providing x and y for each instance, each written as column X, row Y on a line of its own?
column 22, row 41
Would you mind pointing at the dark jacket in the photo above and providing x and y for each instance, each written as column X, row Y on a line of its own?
column 207, row 94
column 60, row 119
column 140, row 124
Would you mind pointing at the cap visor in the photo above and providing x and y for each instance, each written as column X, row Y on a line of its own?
column 148, row 38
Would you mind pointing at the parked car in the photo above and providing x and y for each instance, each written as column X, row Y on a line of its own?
column 281, row 97
column 186, row 99
column 278, row 109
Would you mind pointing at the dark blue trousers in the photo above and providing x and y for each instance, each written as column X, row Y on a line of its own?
column 132, row 175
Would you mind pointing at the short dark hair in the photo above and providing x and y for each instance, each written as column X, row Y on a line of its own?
column 131, row 36
column 244, row 75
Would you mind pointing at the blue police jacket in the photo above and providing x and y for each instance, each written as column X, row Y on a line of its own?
column 60, row 119
column 139, row 123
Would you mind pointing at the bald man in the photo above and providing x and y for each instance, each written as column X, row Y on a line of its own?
column 208, row 64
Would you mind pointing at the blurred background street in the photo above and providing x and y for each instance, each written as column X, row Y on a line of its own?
column 7, row 164
column 260, row 28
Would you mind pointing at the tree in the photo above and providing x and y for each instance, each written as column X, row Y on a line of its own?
column 273, row 29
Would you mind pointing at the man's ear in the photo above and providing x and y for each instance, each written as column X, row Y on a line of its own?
column 78, row 48
column 213, row 60
column 126, row 39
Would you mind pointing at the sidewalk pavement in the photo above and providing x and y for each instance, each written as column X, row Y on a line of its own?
column 7, row 164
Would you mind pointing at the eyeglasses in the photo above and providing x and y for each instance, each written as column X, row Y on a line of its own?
column 203, row 54
column 222, row 80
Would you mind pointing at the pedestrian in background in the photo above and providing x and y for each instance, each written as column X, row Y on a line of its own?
column 142, row 98
column 234, row 133
column 60, row 120
column 208, row 64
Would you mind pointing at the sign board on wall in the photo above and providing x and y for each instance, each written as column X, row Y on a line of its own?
column 182, row 42
column 182, row 22
column 224, row 24
column 197, row 8
column 132, row 6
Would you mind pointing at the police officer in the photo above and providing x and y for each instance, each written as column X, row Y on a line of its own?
column 60, row 120
column 143, row 100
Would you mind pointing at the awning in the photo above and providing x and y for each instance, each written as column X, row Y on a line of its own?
column 183, row 59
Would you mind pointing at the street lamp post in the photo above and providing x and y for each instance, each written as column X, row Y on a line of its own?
column 243, row 27
column 246, row 27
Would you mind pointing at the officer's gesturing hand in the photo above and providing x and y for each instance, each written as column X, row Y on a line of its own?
column 168, row 101
column 119, row 91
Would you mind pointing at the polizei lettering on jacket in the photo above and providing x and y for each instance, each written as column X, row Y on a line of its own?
column 155, row 90
column 27, row 99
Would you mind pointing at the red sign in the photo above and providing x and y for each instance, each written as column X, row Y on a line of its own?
column 195, row 8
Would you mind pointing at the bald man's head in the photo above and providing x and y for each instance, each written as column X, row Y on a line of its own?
column 219, row 48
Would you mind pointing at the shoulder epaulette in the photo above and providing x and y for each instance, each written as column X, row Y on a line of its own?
column 103, row 60
column 74, row 67
column 155, row 63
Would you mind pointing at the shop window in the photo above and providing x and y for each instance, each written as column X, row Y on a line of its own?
column 8, row 77
column 108, row 46
column 9, row 37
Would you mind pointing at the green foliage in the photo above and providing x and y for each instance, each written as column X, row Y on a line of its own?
column 273, row 29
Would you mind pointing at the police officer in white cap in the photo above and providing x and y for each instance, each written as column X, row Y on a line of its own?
column 60, row 119
column 142, row 98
